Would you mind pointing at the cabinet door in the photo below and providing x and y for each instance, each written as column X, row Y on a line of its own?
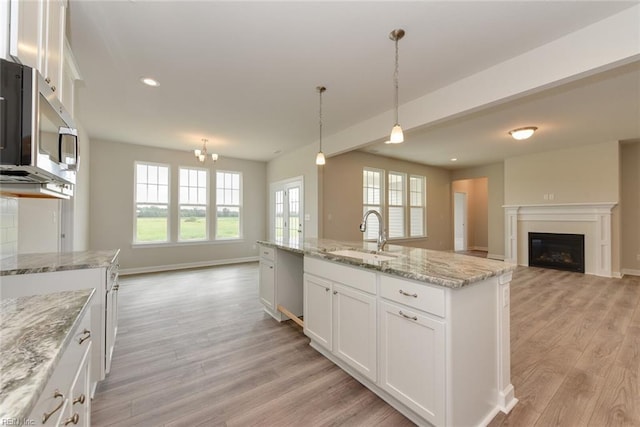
column 267, row 283
column 52, row 61
column 79, row 406
column 112, row 324
column 317, row 310
column 27, row 31
column 412, row 360
column 354, row 317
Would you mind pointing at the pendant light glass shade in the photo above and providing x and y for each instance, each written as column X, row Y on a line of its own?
column 320, row 160
column 397, row 136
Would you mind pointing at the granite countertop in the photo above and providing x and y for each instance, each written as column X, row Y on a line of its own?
column 34, row 332
column 442, row 268
column 56, row 261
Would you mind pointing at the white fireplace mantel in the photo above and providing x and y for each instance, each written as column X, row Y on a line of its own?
column 597, row 213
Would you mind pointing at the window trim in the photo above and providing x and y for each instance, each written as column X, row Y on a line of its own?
column 136, row 203
column 240, row 208
column 207, row 205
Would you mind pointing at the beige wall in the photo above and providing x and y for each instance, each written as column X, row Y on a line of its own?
column 584, row 174
column 575, row 175
column 112, row 213
column 300, row 162
column 630, row 207
column 477, row 211
column 494, row 173
column 342, row 198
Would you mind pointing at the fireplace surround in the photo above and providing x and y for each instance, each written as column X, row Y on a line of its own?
column 591, row 219
column 560, row 251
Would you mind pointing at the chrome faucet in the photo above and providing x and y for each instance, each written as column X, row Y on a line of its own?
column 382, row 235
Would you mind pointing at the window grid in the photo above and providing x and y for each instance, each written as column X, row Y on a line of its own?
column 228, row 206
column 193, row 204
column 294, row 213
column 372, row 199
column 151, row 203
column 417, row 206
column 397, row 202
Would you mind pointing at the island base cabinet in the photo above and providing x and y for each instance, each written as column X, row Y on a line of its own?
column 267, row 284
column 412, row 365
column 317, row 310
column 354, row 336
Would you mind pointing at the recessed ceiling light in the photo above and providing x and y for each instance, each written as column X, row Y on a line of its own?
column 523, row 133
column 454, row 159
column 150, row 82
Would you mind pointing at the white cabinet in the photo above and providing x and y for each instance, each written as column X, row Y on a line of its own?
column 317, row 310
column 111, row 311
column 65, row 397
column 37, row 34
column 280, row 284
column 354, row 329
column 341, row 317
column 412, row 360
column 267, row 283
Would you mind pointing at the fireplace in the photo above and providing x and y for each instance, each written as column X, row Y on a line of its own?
column 558, row 251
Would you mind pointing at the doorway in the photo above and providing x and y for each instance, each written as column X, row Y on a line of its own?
column 460, row 221
column 286, row 207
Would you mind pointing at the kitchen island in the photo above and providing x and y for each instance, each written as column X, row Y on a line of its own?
column 50, row 272
column 428, row 331
column 46, row 340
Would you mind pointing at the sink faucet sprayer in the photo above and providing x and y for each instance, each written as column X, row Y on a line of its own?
column 382, row 236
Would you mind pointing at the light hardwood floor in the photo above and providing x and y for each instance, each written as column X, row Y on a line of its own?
column 194, row 348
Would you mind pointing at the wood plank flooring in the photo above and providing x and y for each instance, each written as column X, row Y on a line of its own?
column 194, row 348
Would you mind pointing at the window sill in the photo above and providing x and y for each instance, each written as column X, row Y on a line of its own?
column 191, row 243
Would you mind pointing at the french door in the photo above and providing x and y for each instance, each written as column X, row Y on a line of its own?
column 287, row 211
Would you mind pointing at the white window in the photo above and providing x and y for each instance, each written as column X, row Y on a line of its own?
column 193, row 190
column 372, row 199
column 417, row 206
column 228, row 205
column 151, row 203
column 397, row 203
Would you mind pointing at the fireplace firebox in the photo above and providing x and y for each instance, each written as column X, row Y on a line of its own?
column 557, row 250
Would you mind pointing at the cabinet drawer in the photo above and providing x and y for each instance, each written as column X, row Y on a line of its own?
column 352, row 276
column 267, row 253
column 422, row 297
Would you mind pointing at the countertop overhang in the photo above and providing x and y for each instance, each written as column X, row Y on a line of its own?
column 56, row 261
column 34, row 331
column 447, row 269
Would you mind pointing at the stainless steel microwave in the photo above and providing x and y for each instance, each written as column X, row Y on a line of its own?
column 38, row 138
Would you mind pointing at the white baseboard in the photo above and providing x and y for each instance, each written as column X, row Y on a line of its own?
column 630, row 272
column 159, row 268
column 496, row 256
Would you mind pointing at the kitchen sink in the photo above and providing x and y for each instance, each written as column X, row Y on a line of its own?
column 364, row 256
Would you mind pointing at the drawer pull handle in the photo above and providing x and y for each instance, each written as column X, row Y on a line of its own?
column 73, row 420
column 327, row 289
column 408, row 317
column 335, row 292
column 80, row 399
column 408, row 294
column 87, row 335
column 56, row 394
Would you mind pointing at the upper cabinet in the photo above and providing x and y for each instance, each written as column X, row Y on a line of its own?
column 37, row 35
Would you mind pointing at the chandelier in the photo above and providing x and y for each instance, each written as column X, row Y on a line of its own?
column 202, row 154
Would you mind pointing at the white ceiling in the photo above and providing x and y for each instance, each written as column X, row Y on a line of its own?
column 243, row 74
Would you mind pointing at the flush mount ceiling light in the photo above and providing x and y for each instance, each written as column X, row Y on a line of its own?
column 202, row 154
column 149, row 81
column 523, row 133
column 320, row 160
column 396, row 133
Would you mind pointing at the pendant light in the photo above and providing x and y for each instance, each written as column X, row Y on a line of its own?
column 202, row 154
column 396, row 133
column 320, row 160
